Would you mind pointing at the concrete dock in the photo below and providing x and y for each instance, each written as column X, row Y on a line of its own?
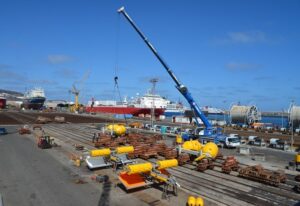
column 32, row 176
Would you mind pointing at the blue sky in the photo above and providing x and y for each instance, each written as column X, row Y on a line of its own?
column 223, row 51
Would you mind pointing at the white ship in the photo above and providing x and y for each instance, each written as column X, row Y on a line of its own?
column 34, row 98
column 212, row 110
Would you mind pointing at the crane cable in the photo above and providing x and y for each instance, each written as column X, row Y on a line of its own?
column 116, row 78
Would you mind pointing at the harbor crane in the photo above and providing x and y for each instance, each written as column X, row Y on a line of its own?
column 76, row 91
column 209, row 131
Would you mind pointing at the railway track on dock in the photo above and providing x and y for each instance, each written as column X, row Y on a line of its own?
column 20, row 118
column 219, row 188
column 223, row 188
column 241, row 189
column 69, row 135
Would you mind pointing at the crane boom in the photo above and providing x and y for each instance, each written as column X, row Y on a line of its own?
column 181, row 88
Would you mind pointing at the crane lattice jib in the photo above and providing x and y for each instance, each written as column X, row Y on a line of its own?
column 181, row 88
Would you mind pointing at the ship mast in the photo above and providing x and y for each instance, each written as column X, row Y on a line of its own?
column 153, row 81
column 152, row 92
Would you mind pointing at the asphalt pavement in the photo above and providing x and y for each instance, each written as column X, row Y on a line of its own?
column 31, row 176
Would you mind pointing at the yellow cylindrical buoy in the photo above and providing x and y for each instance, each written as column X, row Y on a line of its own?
column 297, row 158
column 138, row 168
column 210, row 149
column 100, row 152
column 199, row 201
column 178, row 139
column 163, row 164
column 118, row 129
column 110, row 127
column 191, row 201
column 194, row 145
column 124, row 149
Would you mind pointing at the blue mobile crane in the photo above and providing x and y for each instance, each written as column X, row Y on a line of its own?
column 209, row 133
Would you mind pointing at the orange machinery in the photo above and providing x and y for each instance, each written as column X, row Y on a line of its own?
column 144, row 174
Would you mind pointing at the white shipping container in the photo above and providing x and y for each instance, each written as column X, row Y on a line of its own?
column 184, row 120
column 162, row 117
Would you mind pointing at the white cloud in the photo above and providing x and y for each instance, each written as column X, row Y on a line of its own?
column 59, row 58
column 243, row 37
column 246, row 37
column 234, row 66
column 65, row 73
column 13, row 78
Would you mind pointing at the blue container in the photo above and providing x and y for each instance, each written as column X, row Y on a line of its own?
column 163, row 129
column 185, row 136
column 123, row 116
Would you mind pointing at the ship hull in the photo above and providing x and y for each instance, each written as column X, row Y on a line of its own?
column 2, row 103
column 135, row 111
column 35, row 103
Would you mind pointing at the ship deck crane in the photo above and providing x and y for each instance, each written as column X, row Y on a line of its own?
column 209, row 131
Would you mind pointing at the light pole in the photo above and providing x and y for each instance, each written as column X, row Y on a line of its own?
column 152, row 113
column 292, row 119
column 292, row 141
column 224, row 102
column 282, row 118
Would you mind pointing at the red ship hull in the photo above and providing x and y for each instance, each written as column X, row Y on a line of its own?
column 135, row 111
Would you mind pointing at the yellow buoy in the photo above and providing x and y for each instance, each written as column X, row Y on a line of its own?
column 210, row 149
column 110, row 127
column 118, row 129
column 163, row 164
column 178, row 139
column 100, row 152
column 125, row 149
column 297, row 159
column 199, row 201
column 192, row 145
column 191, row 201
column 138, row 168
